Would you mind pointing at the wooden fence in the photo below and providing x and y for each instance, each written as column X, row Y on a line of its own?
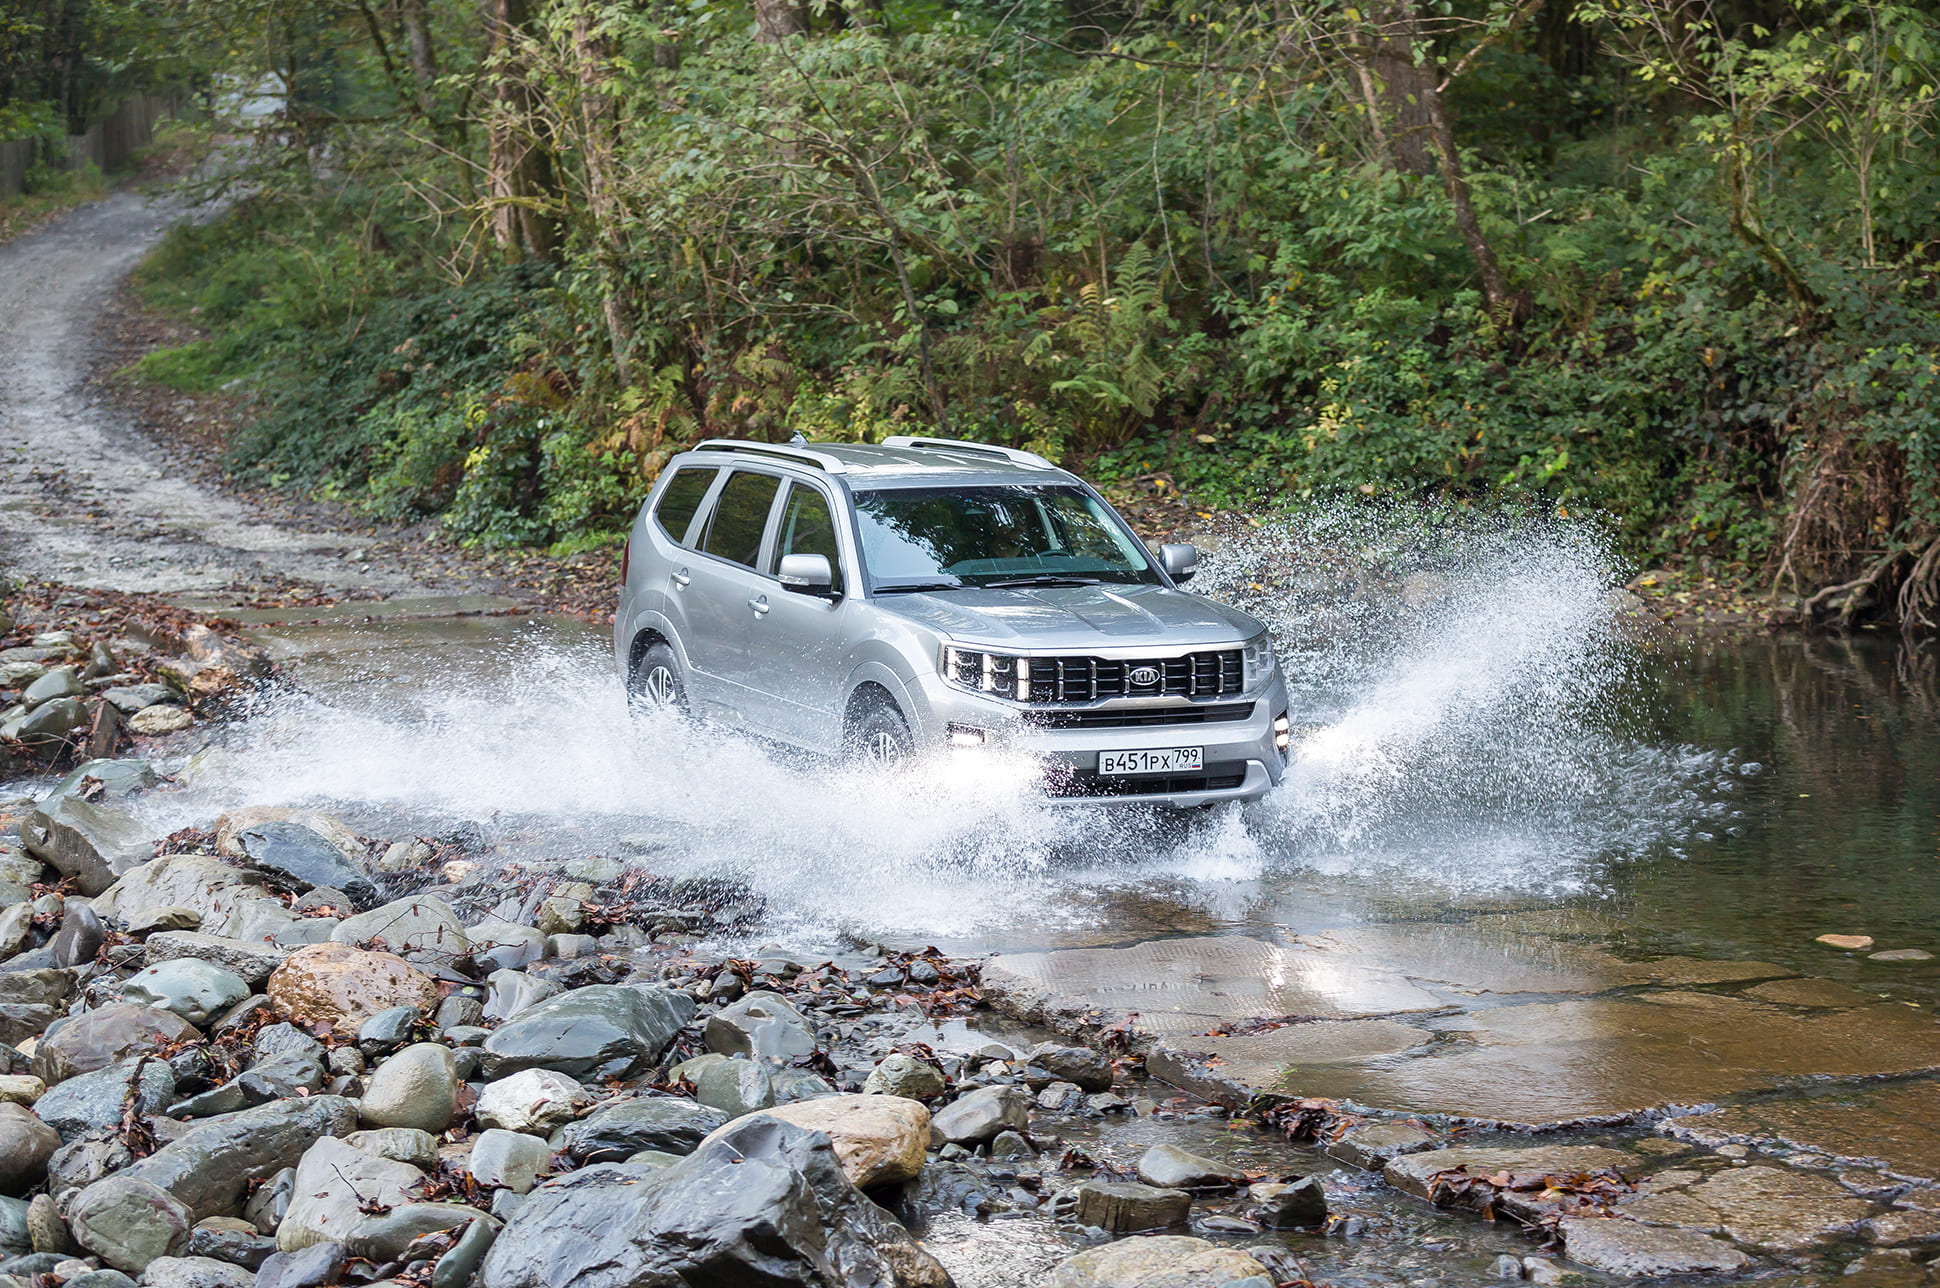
column 109, row 144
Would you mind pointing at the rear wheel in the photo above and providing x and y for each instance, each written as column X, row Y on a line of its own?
column 880, row 736
column 656, row 684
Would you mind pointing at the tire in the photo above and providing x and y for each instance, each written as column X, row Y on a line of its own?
column 655, row 684
column 880, row 737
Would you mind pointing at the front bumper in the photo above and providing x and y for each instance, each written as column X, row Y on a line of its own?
column 1242, row 759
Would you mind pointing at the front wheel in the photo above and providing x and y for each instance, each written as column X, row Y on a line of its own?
column 880, row 737
column 655, row 684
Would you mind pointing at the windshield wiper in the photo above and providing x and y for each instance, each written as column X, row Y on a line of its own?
column 1046, row 580
column 909, row 587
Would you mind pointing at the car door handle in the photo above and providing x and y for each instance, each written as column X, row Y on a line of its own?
column 681, row 579
column 760, row 605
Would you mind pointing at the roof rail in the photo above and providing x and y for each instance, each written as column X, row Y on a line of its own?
column 1011, row 454
column 799, row 455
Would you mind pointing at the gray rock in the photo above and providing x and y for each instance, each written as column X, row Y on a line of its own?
column 333, row 1186
column 298, row 855
column 52, row 721
column 132, row 698
column 26, row 1143
column 1088, row 1068
column 100, row 1279
column 150, row 922
column 766, row 1202
column 1170, row 1168
column 195, row 1272
column 979, row 1115
column 399, row 1144
column 16, row 928
column 531, row 1100
column 735, row 1087
column 904, row 1075
column 117, row 777
column 1375, row 1145
column 238, row 1247
column 129, row 1222
column 46, row 1231
column 1126, row 1207
column 1163, row 1261
column 761, row 1025
column 594, row 1034
column 100, row 1038
column 510, row 1159
column 384, row 1236
column 618, row 1131
column 14, row 1233
column 417, row 1087
column 268, row 1205
column 193, row 989
column 1303, row 1203
column 30, row 1000
column 250, row 962
column 457, row 1267
column 90, row 843
column 312, row 1267
column 420, row 928
column 90, row 1104
column 61, row 682
column 84, row 1162
column 1061, row 1098
column 1620, row 1247
column 501, row 945
column 212, row 1166
column 1011, row 1144
column 230, row 900
column 387, row 1030
column 513, row 992
column 76, row 943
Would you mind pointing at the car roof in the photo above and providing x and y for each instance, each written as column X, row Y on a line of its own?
column 904, row 461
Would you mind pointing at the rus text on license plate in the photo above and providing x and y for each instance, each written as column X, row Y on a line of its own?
column 1162, row 760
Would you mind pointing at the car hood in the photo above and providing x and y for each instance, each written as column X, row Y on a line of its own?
column 1073, row 617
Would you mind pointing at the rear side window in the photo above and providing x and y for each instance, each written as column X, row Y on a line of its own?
column 740, row 517
column 681, row 499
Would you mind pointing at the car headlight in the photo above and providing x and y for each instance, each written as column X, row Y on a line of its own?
column 998, row 674
column 1259, row 662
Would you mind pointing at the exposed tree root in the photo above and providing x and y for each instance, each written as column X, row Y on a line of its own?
column 1903, row 585
column 1919, row 603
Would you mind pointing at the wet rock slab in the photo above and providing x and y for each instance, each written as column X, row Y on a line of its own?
column 1897, row 1124
column 1773, row 1209
column 1621, row 1247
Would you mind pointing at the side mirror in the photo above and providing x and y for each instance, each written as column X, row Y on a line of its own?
column 806, row 574
column 1179, row 560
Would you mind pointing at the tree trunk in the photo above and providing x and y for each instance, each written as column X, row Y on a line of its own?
column 424, row 61
column 1400, row 90
column 776, row 20
column 519, row 172
column 1494, row 286
column 601, row 122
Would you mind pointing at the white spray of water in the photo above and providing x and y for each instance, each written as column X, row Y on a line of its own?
column 1457, row 689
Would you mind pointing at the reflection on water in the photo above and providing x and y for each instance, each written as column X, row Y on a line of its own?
column 1476, row 736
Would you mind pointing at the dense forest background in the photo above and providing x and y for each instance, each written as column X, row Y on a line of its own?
column 1674, row 261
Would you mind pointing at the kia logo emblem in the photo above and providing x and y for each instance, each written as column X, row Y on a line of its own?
column 1145, row 676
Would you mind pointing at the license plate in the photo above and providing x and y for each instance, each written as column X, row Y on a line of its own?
column 1163, row 760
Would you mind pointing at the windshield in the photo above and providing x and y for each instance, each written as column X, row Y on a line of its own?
column 932, row 538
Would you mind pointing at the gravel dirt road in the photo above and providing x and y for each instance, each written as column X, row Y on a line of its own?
column 85, row 499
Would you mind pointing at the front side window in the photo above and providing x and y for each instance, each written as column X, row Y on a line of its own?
column 741, row 516
column 682, row 497
column 807, row 529
column 994, row 536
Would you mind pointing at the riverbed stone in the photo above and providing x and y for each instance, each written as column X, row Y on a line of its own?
column 90, row 843
column 1773, row 1209
column 384, row 1236
column 512, row 1160
column 98, row 1039
column 90, row 1104
column 976, row 1116
column 1412, row 1173
column 295, row 854
column 20, row 1088
column 1159, row 1261
column 230, row 826
column 117, row 777
column 334, row 1183
column 26, row 1143
column 1091, row 1070
column 60, row 682
column 230, row 900
column 416, row 1087
column 616, row 1132
column 1170, row 1167
column 143, row 924
column 160, row 720
column 399, row 1144
column 16, row 928
column 502, row 945
column 129, row 1222
column 1124, row 1207
column 903, row 1075
column 880, row 1140
column 1371, row 1145
column 735, row 1087
column 30, row 1000
column 195, row 1272
column 194, row 989
column 131, row 699
column 59, row 719
column 76, row 943
column 249, row 962
column 1619, row 1247
column 419, row 928
column 764, row 1194
column 212, row 1166
column 510, row 993
column 344, row 986
column 595, row 1033
column 762, row 1025
column 531, row 1100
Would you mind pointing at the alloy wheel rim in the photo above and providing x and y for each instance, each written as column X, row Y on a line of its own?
column 661, row 686
column 884, row 749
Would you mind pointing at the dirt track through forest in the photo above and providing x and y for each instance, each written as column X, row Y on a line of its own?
column 84, row 498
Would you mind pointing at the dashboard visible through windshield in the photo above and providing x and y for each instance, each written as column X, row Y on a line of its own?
column 941, row 538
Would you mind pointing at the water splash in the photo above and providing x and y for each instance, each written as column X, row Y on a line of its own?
column 1463, row 702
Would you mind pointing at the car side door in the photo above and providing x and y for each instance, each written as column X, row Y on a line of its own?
column 798, row 648
column 725, row 592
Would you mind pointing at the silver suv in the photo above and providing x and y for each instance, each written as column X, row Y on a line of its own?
column 925, row 595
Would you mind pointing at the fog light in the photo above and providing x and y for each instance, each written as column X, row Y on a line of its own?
column 965, row 736
column 1282, row 733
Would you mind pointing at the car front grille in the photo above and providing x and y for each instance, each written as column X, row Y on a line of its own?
column 1209, row 713
column 1217, row 777
column 1054, row 681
